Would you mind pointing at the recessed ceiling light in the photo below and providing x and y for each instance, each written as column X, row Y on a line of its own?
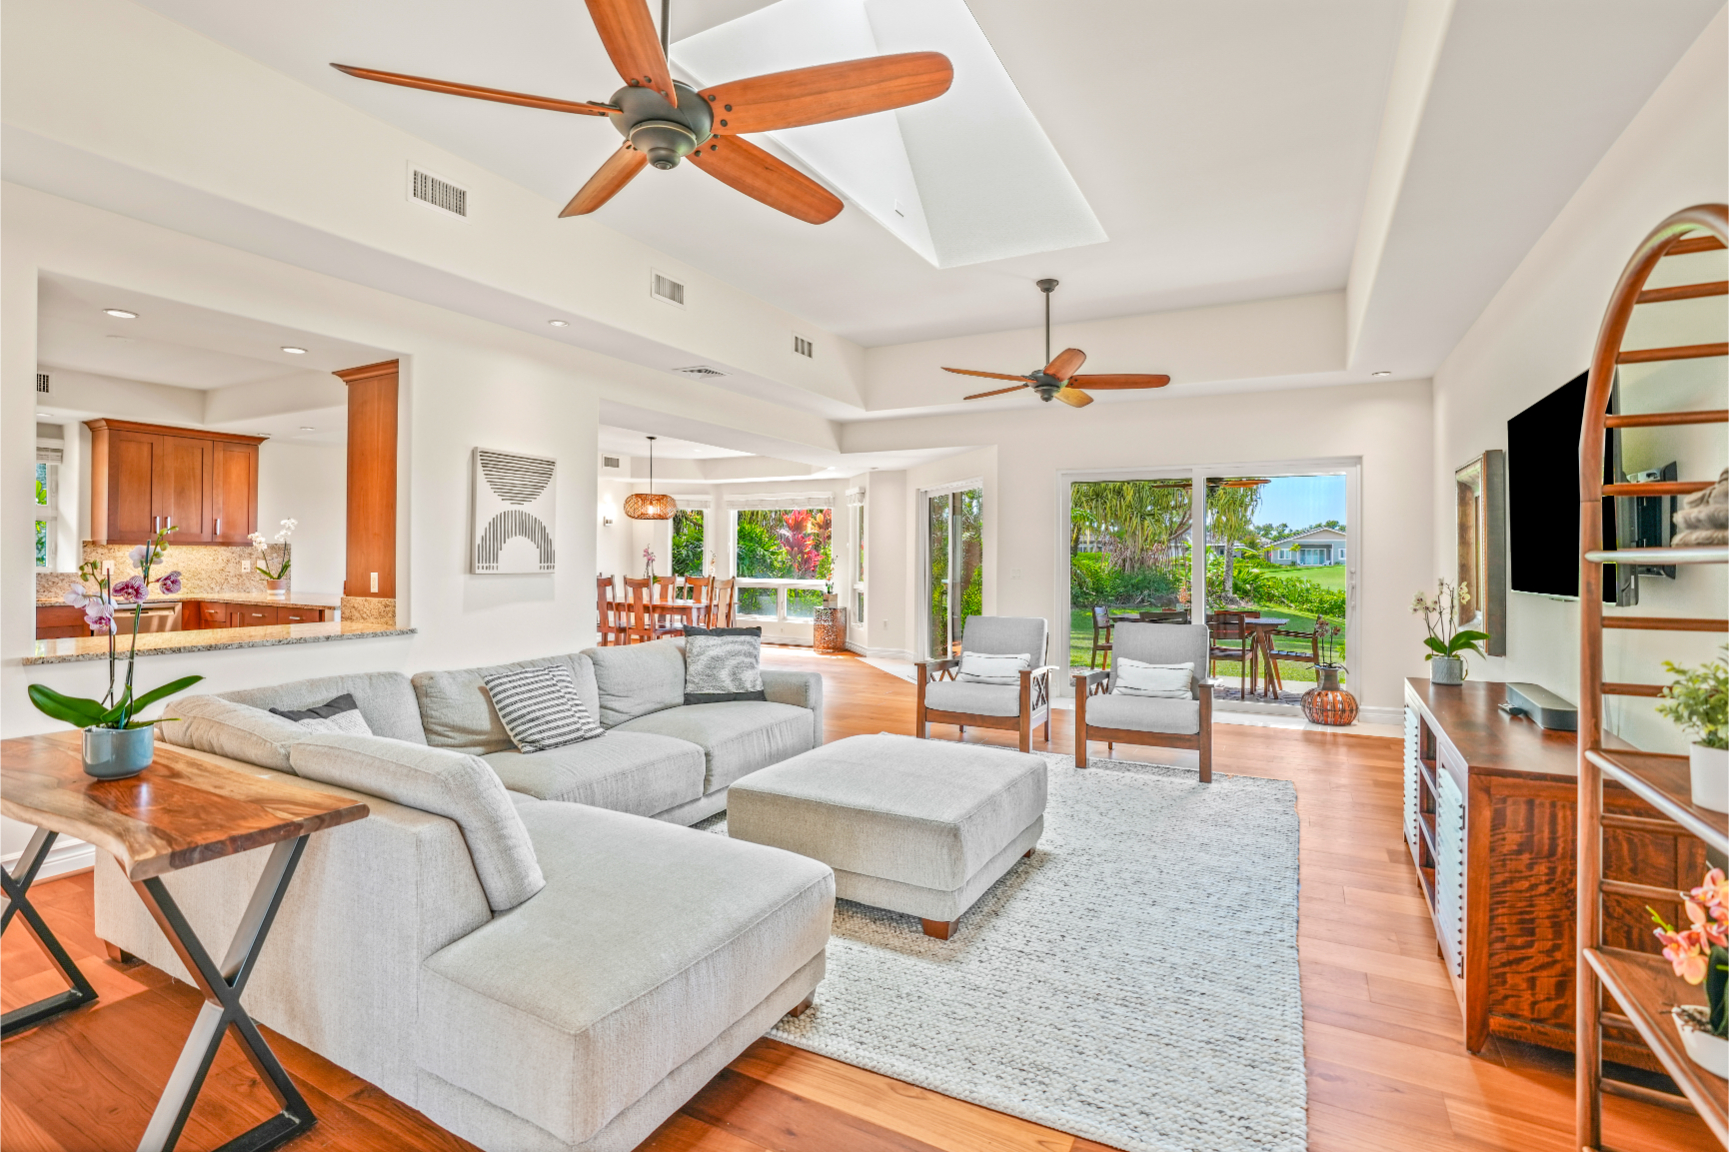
column 559, row 323
column 122, row 339
column 293, row 351
column 120, row 313
column 1380, row 373
column 307, row 428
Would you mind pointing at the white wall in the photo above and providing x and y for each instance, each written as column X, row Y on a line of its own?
column 307, row 483
column 1539, row 332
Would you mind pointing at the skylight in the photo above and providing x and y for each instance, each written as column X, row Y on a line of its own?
column 965, row 178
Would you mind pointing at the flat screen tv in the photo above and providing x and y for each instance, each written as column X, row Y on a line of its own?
column 1543, row 495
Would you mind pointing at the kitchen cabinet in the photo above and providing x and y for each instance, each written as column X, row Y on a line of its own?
column 59, row 621
column 150, row 476
column 231, row 614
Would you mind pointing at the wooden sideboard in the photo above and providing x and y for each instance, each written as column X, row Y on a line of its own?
column 1490, row 818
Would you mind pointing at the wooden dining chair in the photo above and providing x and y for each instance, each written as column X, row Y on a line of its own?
column 702, row 596
column 1102, row 626
column 606, row 622
column 638, row 624
column 725, row 602
column 1229, row 639
column 666, row 590
column 1305, row 647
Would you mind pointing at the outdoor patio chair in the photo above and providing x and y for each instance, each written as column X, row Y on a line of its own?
column 1165, row 722
column 1231, row 640
column 1311, row 655
column 1102, row 625
column 944, row 699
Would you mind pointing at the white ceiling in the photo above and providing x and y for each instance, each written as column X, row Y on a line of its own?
column 626, row 442
column 1224, row 148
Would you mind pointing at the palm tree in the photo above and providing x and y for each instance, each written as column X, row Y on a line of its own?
column 1231, row 519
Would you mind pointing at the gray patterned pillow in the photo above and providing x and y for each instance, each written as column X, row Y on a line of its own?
column 540, row 708
column 722, row 668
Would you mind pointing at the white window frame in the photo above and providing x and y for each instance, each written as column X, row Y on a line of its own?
column 855, row 499
column 49, row 514
column 775, row 502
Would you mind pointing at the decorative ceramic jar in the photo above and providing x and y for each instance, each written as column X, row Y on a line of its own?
column 1709, row 1052
column 276, row 589
column 116, row 753
column 1710, row 771
column 1449, row 670
column 1327, row 702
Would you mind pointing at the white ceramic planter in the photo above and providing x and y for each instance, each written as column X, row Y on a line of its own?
column 1709, row 1052
column 1710, row 767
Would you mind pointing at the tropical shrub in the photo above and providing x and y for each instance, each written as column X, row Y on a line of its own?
column 1269, row 586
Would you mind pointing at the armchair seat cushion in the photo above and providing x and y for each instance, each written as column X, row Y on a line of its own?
column 736, row 737
column 633, row 772
column 978, row 699
column 648, row 942
column 1145, row 714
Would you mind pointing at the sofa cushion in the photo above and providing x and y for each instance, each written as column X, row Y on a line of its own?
column 624, row 771
column 979, row 699
column 648, row 941
column 1145, row 714
column 540, row 708
column 445, row 783
column 636, row 679
column 457, row 712
column 737, row 737
column 386, row 699
column 238, row 731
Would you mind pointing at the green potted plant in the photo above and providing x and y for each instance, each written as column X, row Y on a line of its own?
column 1700, row 955
column 1698, row 701
column 116, row 743
column 1447, row 642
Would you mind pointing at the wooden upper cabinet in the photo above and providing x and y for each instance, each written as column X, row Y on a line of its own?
column 148, row 476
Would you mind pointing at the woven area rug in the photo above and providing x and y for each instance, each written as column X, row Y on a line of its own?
column 1133, row 982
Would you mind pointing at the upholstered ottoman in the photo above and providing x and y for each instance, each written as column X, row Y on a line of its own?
column 922, row 827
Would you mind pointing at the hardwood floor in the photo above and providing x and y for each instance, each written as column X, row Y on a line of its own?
column 1387, row 1066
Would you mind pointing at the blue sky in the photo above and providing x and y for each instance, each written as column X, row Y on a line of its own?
column 1302, row 500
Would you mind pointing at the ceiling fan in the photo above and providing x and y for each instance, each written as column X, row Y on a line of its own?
column 664, row 120
column 1057, row 379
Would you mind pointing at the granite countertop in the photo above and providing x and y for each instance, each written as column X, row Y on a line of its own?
column 303, row 600
column 207, row 640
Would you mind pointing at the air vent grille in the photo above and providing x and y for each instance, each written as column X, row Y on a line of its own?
column 664, row 288
column 803, row 347
column 42, row 384
column 609, row 461
column 438, row 193
column 702, row 370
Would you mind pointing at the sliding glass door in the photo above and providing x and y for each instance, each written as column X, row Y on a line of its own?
column 954, row 566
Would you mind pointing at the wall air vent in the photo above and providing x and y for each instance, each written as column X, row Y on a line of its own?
column 41, row 383
column 702, row 371
column 609, row 461
column 437, row 192
column 803, row 347
column 665, row 289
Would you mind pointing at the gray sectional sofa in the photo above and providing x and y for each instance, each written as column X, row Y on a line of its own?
column 579, row 1017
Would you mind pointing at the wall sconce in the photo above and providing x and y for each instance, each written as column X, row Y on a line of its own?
column 607, row 511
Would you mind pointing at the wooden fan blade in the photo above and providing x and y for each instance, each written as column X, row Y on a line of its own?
column 998, row 392
column 627, row 32
column 620, row 169
column 498, row 95
column 986, row 375
column 828, row 92
column 1074, row 397
column 1123, row 381
column 750, row 170
column 1067, row 363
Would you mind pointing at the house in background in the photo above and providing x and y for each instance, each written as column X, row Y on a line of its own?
column 1317, row 546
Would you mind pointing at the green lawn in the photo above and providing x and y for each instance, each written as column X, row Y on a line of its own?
column 1331, row 576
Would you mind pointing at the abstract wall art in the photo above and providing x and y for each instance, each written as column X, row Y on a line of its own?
column 512, row 528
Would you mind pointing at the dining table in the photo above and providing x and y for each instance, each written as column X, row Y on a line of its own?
column 619, row 608
column 1261, row 629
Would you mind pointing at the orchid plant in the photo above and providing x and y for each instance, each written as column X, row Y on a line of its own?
column 1327, row 636
column 648, row 559
column 112, row 711
column 1440, row 613
column 1700, row 954
column 274, row 554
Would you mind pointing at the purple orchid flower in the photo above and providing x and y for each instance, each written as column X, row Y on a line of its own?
column 170, row 583
column 99, row 616
column 129, row 590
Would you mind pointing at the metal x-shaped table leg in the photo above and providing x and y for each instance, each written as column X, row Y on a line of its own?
column 17, row 886
column 222, row 1012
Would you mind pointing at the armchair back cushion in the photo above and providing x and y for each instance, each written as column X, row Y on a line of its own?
column 237, row 731
column 1007, row 636
column 636, row 679
column 463, row 788
column 457, row 711
column 386, row 700
column 1162, row 644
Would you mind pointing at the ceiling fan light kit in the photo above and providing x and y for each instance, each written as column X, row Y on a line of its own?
column 1057, row 379
column 650, row 505
column 664, row 121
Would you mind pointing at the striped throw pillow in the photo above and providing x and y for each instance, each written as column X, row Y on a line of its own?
column 540, row 708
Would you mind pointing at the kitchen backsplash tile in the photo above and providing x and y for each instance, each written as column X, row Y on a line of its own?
column 205, row 569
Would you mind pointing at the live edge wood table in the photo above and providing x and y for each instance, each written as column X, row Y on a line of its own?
column 1490, row 818
column 179, row 812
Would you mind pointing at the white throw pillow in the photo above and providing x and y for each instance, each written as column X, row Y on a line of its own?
column 1138, row 678
column 989, row 668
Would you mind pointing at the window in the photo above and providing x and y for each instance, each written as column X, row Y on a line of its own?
column 688, row 552
column 784, row 558
column 856, row 501
column 47, row 513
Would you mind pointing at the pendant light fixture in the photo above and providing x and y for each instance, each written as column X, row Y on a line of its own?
column 650, row 505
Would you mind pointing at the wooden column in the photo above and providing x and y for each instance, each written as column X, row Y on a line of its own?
column 372, row 432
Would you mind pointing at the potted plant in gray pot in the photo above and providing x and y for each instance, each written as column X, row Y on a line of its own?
column 116, row 743
column 1447, row 642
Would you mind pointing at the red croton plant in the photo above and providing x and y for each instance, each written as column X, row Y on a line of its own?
column 803, row 535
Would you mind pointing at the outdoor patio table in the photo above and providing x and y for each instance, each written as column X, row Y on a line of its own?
column 1261, row 630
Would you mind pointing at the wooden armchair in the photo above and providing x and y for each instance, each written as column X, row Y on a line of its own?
column 1295, row 655
column 1231, row 639
column 1102, row 625
column 1116, row 718
column 945, row 699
